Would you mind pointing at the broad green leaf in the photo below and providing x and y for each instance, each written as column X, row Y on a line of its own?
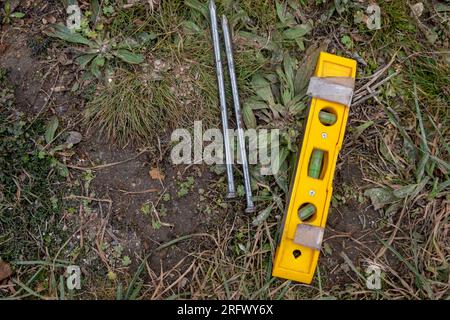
column 380, row 197
column 262, row 88
column 280, row 11
column 393, row 208
column 281, row 177
column 296, row 99
column 18, row 15
column 442, row 186
column 281, row 157
column 360, row 129
column 411, row 190
column 198, row 6
column 297, row 31
column 128, row 43
column 99, row 60
column 64, row 33
column 279, row 167
column 296, row 108
column 286, row 96
column 262, row 216
column 405, row 191
column 248, row 116
column 256, row 104
column 288, row 65
column 84, row 59
column 278, row 109
column 95, row 9
column 300, row 44
column 97, row 63
column 128, row 56
column 7, row 8
column 306, row 69
column 50, row 130
column 191, row 27
column 145, row 37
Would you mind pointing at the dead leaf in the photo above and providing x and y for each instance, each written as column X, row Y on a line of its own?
column 417, row 9
column 74, row 138
column 357, row 37
column 155, row 174
column 5, row 271
column 64, row 60
column 49, row 19
column 307, row 67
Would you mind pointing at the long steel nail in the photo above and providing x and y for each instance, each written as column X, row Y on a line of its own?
column 237, row 111
column 223, row 104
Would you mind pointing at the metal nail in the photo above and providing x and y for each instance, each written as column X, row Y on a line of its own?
column 223, row 105
column 237, row 111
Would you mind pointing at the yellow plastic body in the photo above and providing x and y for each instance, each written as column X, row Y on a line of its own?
column 304, row 189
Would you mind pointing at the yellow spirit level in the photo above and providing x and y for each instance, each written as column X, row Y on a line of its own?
column 304, row 222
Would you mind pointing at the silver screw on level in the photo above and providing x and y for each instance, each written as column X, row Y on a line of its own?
column 312, row 193
column 223, row 105
column 324, row 135
column 237, row 111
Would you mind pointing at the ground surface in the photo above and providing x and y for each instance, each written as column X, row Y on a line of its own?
column 142, row 228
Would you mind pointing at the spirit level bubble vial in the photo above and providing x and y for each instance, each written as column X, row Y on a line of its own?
column 305, row 219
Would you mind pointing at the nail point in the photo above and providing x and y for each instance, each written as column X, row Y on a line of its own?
column 231, row 195
column 250, row 209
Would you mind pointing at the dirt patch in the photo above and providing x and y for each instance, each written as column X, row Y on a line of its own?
column 24, row 73
column 41, row 75
column 350, row 230
column 157, row 211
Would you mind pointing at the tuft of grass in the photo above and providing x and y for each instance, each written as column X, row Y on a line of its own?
column 139, row 107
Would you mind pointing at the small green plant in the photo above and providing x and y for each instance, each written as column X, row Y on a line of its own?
column 290, row 29
column 156, row 224
column 145, row 209
column 185, row 186
column 279, row 102
column 10, row 14
column 126, row 261
column 166, row 197
column 98, row 54
column 347, row 42
column 133, row 108
column 52, row 143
